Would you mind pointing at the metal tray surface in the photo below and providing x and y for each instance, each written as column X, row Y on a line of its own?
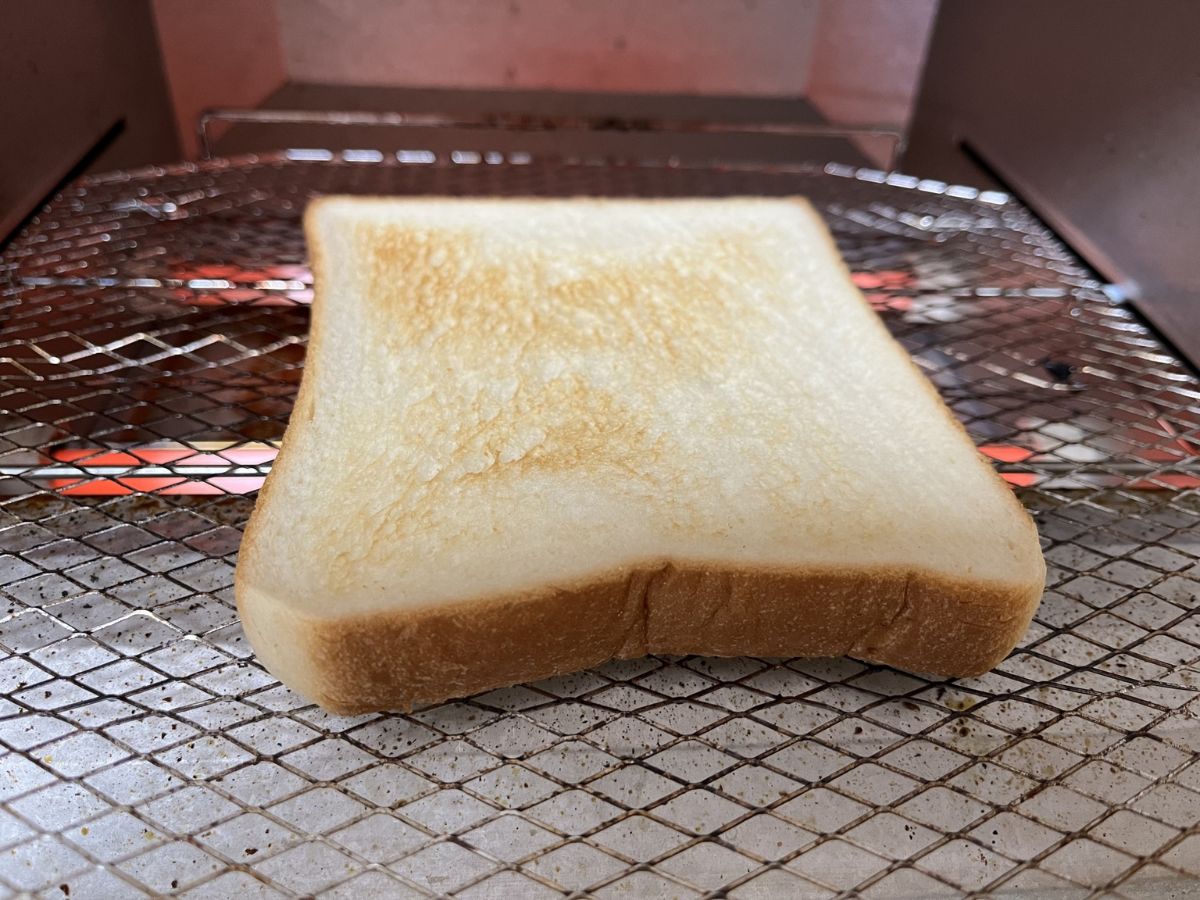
column 152, row 331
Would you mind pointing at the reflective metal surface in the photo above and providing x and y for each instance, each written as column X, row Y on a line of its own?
column 1101, row 150
column 506, row 125
column 152, row 338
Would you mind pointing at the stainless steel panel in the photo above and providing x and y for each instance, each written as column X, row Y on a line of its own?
column 1091, row 112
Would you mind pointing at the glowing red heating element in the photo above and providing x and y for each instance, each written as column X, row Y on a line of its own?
column 222, row 285
column 204, row 480
column 199, row 472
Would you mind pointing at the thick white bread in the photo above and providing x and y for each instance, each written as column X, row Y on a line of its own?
column 533, row 435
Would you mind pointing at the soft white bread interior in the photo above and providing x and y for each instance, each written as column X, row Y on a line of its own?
column 536, row 434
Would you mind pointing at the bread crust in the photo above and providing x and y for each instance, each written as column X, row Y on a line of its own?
column 397, row 660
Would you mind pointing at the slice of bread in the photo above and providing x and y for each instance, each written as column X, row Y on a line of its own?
column 534, row 435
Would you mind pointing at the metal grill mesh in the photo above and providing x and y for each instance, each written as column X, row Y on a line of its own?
column 153, row 333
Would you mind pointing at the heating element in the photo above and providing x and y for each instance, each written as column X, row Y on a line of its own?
column 153, row 332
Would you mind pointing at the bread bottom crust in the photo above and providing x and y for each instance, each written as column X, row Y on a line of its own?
column 395, row 660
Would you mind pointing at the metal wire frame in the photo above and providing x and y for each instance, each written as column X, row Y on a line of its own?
column 153, row 334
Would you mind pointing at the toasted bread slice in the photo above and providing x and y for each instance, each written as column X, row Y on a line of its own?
column 534, row 435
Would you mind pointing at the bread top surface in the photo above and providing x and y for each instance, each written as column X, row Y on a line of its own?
column 503, row 396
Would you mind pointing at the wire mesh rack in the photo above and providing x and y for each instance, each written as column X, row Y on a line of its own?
column 152, row 339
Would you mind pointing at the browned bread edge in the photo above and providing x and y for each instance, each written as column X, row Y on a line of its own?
column 395, row 660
